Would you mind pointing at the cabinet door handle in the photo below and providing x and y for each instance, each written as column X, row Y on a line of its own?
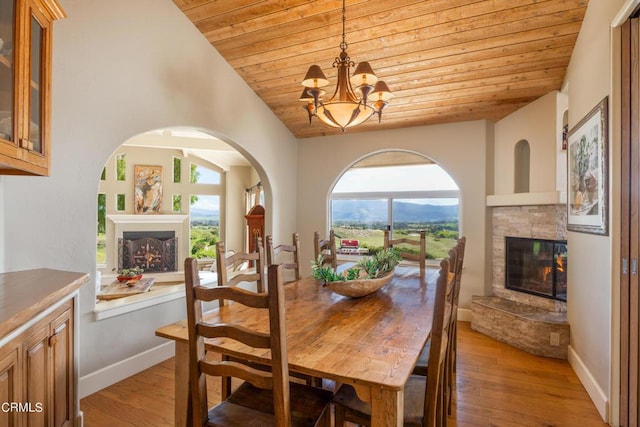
column 53, row 339
column 625, row 266
column 634, row 267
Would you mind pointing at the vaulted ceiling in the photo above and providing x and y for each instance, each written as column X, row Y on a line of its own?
column 444, row 60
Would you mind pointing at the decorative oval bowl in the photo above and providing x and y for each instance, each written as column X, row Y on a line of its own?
column 360, row 287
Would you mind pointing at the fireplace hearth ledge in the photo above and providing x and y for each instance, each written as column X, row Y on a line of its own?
column 523, row 326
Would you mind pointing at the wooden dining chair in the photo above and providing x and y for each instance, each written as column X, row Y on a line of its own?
column 456, row 259
column 423, row 397
column 403, row 250
column 225, row 262
column 453, row 341
column 325, row 249
column 266, row 398
column 279, row 252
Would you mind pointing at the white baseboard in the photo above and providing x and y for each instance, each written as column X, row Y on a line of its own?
column 464, row 315
column 109, row 375
column 598, row 396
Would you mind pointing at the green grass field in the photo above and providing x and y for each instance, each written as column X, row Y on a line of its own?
column 373, row 239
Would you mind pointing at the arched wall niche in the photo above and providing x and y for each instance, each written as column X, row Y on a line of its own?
column 522, row 166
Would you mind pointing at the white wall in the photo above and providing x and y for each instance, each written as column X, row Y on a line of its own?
column 460, row 148
column 120, row 68
column 590, row 282
column 540, row 124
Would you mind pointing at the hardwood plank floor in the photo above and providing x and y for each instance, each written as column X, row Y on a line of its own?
column 496, row 385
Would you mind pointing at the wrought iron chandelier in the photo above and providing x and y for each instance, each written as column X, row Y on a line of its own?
column 347, row 107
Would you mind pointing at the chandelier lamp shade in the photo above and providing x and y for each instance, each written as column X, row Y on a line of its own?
column 347, row 107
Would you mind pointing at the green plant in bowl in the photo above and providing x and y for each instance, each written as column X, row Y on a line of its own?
column 129, row 273
column 369, row 275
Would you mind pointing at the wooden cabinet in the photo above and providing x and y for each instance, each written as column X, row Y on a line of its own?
column 47, row 370
column 25, row 85
column 255, row 226
column 38, row 373
column 10, row 384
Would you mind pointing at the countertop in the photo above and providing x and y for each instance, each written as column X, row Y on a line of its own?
column 24, row 294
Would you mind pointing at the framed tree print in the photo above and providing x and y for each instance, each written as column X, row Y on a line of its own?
column 587, row 173
column 148, row 189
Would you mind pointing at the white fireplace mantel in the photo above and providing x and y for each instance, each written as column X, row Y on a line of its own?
column 147, row 219
column 528, row 199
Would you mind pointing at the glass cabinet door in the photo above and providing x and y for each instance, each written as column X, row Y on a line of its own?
column 8, row 12
column 36, row 91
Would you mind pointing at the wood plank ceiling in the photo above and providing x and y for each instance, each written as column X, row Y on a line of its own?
column 444, row 60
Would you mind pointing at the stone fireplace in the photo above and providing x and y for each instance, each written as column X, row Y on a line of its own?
column 544, row 222
column 535, row 323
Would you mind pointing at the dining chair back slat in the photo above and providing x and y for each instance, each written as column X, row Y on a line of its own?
column 225, row 262
column 325, row 250
column 397, row 244
column 285, row 255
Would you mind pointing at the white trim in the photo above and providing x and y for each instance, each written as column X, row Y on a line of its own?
column 111, row 374
column 147, row 219
column 158, row 295
column 435, row 194
column 528, row 199
column 464, row 315
column 598, row 396
column 625, row 11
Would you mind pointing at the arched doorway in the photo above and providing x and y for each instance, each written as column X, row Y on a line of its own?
column 201, row 190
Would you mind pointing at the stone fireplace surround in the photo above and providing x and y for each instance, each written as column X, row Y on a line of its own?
column 533, row 323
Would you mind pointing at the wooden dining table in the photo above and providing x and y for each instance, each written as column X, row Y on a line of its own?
column 371, row 342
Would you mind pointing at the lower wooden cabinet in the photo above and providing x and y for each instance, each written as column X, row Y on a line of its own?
column 37, row 376
column 10, row 384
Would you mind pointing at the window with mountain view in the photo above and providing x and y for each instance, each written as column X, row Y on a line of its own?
column 404, row 198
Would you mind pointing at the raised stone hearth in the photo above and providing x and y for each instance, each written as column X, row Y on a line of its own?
column 529, row 328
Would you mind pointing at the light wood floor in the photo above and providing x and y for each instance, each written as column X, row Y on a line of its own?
column 497, row 385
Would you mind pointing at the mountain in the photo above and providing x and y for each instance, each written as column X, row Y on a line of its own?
column 376, row 211
column 204, row 214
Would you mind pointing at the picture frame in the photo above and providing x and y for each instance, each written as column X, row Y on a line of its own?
column 148, row 189
column 588, row 173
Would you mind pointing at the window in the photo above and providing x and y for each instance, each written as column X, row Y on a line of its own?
column 121, row 167
column 177, row 170
column 403, row 198
column 204, row 225
column 101, row 253
column 202, row 175
column 177, row 203
column 120, row 204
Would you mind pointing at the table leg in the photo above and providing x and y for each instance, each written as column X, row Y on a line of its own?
column 387, row 407
column 183, row 409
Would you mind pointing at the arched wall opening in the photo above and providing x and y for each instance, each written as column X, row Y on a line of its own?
column 182, row 186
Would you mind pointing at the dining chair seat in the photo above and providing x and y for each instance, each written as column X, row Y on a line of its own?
column 248, row 402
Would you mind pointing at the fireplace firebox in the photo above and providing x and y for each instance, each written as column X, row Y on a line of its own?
column 153, row 251
column 537, row 266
